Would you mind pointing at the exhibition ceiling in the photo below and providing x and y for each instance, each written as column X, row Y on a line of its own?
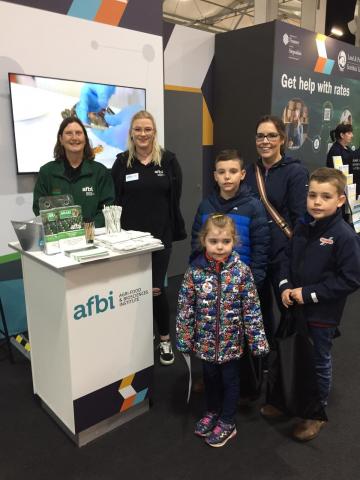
column 224, row 15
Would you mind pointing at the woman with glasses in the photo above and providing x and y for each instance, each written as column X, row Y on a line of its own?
column 148, row 184
column 285, row 184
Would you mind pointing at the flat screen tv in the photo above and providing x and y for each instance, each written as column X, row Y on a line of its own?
column 39, row 104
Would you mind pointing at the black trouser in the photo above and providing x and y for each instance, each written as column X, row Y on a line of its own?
column 160, row 262
column 267, row 292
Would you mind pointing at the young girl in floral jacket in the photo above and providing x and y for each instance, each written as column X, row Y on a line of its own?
column 218, row 312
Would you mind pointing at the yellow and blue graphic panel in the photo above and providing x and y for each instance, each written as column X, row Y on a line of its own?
column 112, row 399
column 323, row 63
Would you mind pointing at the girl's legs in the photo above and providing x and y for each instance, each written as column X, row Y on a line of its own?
column 213, row 399
column 213, row 386
column 222, row 389
column 222, row 395
column 231, row 391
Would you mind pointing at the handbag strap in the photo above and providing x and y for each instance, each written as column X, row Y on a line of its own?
column 275, row 215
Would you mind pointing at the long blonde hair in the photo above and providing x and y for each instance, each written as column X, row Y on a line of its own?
column 156, row 149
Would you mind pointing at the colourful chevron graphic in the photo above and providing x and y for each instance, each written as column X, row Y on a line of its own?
column 323, row 64
column 130, row 395
column 102, row 11
column 112, row 399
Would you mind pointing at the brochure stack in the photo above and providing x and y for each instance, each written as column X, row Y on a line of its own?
column 353, row 203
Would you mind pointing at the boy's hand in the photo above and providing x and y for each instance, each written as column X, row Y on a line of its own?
column 286, row 298
column 296, row 294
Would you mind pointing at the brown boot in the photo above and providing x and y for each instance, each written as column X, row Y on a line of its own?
column 307, row 430
column 269, row 411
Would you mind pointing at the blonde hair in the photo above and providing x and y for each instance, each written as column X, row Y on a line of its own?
column 156, row 149
column 221, row 221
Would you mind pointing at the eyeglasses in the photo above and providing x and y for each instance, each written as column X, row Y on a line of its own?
column 146, row 130
column 270, row 137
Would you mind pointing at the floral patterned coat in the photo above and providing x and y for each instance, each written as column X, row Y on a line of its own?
column 219, row 311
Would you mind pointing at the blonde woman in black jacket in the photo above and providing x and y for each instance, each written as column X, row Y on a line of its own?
column 148, row 183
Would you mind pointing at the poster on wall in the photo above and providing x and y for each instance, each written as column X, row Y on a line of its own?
column 316, row 84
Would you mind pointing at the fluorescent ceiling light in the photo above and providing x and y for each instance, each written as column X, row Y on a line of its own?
column 337, row 32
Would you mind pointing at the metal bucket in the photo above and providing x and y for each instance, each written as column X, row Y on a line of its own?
column 29, row 234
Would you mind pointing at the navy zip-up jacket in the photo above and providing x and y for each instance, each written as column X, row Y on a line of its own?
column 251, row 223
column 286, row 188
column 323, row 258
column 349, row 157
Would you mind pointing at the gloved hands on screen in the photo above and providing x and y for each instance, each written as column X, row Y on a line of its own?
column 94, row 98
column 117, row 133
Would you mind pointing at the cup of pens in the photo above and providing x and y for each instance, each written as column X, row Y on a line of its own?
column 89, row 228
column 112, row 214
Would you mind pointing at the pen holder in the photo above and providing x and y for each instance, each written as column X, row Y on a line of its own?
column 89, row 228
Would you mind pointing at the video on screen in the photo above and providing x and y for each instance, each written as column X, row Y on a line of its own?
column 39, row 104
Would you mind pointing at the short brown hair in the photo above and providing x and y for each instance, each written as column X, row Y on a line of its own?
column 218, row 220
column 59, row 152
column 330, row 175
column 230, row 154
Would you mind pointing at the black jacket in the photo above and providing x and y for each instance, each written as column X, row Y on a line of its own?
column 323, row 258
column 286, row 189
column 173, row 171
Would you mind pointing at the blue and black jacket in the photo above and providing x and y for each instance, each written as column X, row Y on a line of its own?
column 251, row 223
column 323, row 258
column 286, row 184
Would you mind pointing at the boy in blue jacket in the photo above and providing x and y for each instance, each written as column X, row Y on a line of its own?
column 320, row 269
column 235, row 199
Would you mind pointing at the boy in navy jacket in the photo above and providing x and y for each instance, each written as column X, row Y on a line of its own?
column 235, row 199
column 321, row 268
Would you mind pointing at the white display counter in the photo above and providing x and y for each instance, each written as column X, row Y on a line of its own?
column 91, row 336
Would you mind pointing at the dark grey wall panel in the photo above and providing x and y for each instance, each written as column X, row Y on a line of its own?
column 10, row 270
column 243, row 86
column 183, row 136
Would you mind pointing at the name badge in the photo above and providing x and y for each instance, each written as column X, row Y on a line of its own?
column 131, row 177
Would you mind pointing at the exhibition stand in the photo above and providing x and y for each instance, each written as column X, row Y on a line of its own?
column 91, row 335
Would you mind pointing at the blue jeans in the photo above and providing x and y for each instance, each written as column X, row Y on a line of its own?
column 323, row 340
column 222, row 388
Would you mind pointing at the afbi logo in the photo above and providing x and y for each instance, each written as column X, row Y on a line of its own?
column 323, row 64
column 89, row 191
column 94, row 306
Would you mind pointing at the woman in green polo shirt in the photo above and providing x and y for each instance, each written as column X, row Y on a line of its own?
column 74, row 171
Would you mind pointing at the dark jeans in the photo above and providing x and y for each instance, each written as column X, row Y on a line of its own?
column 222, row 388
column 323, row 340
column 160, row 262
